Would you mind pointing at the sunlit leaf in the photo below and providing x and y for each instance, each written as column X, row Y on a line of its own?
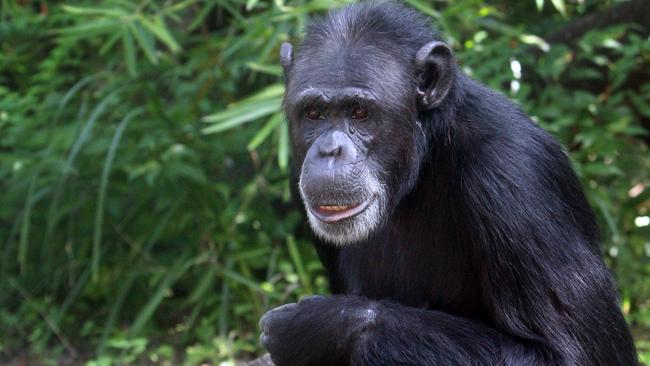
column 560, row 6
column 283, row 146
column 240, row 115
column 536, row 41
column 112, row 12
column 275, row 70
column 250, row 4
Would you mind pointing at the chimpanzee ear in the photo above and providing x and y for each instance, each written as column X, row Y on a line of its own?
column 436, row 67
column 286, row 57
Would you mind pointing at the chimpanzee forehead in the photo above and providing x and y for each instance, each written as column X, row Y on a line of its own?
column 342, row 68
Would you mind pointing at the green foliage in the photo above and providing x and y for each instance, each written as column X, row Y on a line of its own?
column 145, row 208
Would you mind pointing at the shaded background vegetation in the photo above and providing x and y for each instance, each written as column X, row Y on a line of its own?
column 145, row 214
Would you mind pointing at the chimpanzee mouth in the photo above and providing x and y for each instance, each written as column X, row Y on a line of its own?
column 334, row 213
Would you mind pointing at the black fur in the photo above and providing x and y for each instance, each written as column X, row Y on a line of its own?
column 488, row 252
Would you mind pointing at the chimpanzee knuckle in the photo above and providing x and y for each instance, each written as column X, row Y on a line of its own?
column 282, row 346
column 311, row 299
column 285, row 308
column 273, row 345
column 264, row 340
column 276, row 315
column 264, row 321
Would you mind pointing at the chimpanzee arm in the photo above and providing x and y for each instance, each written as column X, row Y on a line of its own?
column 344, row 330
column 404, row 335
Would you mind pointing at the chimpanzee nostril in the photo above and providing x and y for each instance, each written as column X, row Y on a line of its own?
column 330, row 150
column 332, row 144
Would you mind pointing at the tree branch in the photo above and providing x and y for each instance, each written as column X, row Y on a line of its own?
column 633, row 11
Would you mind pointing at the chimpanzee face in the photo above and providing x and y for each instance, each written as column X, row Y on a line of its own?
column 341, row 135
column 340, row 181
column 356, row 140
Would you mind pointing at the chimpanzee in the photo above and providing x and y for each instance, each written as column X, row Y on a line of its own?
column 453, row 229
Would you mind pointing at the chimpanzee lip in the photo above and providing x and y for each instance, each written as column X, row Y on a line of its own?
column 330, row 213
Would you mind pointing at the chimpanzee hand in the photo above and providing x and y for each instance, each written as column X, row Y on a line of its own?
column 317, row 330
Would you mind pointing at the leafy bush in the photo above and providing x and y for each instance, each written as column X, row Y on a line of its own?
column 146, row 211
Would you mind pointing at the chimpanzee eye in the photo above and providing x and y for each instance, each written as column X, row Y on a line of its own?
column 359, row 113
column 313, row 113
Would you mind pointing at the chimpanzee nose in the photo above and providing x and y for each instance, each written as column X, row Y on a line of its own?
column 332, row 144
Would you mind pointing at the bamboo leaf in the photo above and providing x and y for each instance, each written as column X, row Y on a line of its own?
column 52, row 216
column 72, row 295
column 24, row 230
column 159, row 29
column 203, row 285
column 560, row 5
column 99, row 214
column 129, row 52
column 91, row 28
column 265, row 131
column 145, row 42
column 109, row 44
column 200, row 17
column 116, row 12
column 283, row 146
column 125, row 287
column 250, row 4
column 297, row 261
column 154, row 302
column 272, row 92
column 244, row 114
column 179, row 6
column 73, row 91
column 225, row 300
column 232, row 275
column 536, row 41
column 424, row 7
column 267, row 69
